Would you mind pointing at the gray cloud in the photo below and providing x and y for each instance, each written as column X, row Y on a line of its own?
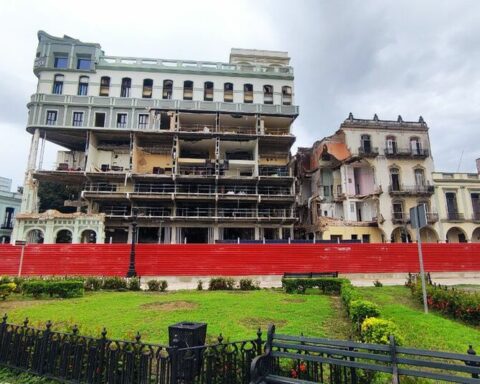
column 365, row 56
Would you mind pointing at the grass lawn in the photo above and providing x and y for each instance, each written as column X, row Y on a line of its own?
column 236, row 314
column 432, row 331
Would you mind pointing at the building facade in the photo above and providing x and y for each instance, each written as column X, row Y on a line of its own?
column 9, row 206
column 190, row 151
column 360, row 183
column 458, row 202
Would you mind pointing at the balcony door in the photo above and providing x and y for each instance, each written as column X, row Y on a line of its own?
column 366, row 144
column 395, row 179
column 419, row 177
column 398, row 211
column 415, row 146
column 476, row 205
column 452, row 208
column 391, row 145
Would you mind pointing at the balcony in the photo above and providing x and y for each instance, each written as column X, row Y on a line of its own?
column 455, row 216
column 268, row 170
column 432, row 217
column 7, row 226
column 412, row 190
column 277, row 131
column 416, row 153
column 368, row 152
column 203, row 171
column 153, row 212
column 400, row 218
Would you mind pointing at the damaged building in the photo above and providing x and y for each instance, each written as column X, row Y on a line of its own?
column 189, row 151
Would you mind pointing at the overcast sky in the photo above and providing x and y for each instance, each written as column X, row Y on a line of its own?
column 387, row 57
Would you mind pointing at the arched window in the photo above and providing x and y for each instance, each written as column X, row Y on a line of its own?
column 208, row 91
column 286, row 95
column 228, row 92
column 365, row 144
column 126, row 86
column 64, row 236
column 83, row 86
column 147, row 88
column 394, row 179
column 187, row 90
column 391, row 147
column 88, row 236
column 104, row 86
column 58, row 85
column 268, row 94
column 419, row 177
column 35, row 236
column 415, row 146
column 248, row 93
column 167, row 89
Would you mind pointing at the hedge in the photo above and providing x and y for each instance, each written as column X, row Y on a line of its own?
column 6, row 289
column 325, row 284
column 60, row 288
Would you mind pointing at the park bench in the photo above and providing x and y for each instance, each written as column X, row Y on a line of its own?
column 308, row 275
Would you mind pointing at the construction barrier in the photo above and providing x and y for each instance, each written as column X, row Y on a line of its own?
column 234, row 259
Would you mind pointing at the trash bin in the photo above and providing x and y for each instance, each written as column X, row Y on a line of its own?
column 188, row 363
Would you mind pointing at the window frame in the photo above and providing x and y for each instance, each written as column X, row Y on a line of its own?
column 167, row 91
column 188, row 89
column 103, row 87
column 124, row 89
column 206, row 96
column 228, row 92
column 83, row 86
column 287, row 97
column 84, row 59
column 268, row 96
column 147, row 90
column 82, row 113
column 248, row 94
column 53, row 111
column 142, row 125
column 121, row 124
column 104, row 119
column 56, row 59
column 57, row 88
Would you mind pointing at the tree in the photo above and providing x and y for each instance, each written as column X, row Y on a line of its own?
column 53, row 195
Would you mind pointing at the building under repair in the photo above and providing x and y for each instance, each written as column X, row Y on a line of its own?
column 189, row 151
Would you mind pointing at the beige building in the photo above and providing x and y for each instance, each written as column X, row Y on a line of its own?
column 360, row 183
column 458, row 201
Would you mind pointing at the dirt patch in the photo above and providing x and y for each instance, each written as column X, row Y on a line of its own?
column 7, row 306
column 261, row 322
column 170, row 306
column 294, row 300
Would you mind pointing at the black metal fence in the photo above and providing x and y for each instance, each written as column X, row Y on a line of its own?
column 72, row 358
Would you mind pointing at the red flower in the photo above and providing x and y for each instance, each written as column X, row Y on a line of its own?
column 303, row 367
column 294, row 373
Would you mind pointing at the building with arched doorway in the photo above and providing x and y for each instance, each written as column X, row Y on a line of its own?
column 9, row 206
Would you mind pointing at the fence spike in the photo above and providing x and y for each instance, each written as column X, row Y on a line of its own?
column 138, row 337
column 48, row 325
column 4, row 318
column 75, row 329
column 259, row 332
column 25, row 322
column 104, row 333
column 220, row 338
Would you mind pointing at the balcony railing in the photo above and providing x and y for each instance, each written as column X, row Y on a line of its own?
column 400, row 218
column 406, row 152
column 195, row 212
column 115, row 211
column 411, row 189
column 368, row 152
column 102, row 187
column 432, row 217
column 277, row 131
column 455, row 216
column 153, row 212
column 273, row 171
column 196, row 171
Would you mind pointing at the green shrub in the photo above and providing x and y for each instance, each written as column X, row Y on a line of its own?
column 60, row 288
column 377, row 331
column 200, row 285
column 19, row 282
column 248, row 285
column 134, row 284
column 93, row 283
column 221, row 284
column 153, row 285
column 361, row 309
column 6, row 289
column 377, row 283
column 114, row 283
column 5, row 280
column 325, row 284
column 163, row 285
column 35, row 288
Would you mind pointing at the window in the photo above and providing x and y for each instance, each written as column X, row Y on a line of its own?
column 121, row 120
column 104, row 86
column 397, row 212
column 84, row 63
column 336, row 238
column 167, row 89
column 415, row 146
column 228, row 92
column 147, row 88
column 8, row 222
column 248, row 93
column 143, row 121
column 395, row 179
column 83, row 86
column 286, row 95
column 77, row 119
column 187, row 90
column 208, row 91
column 419, row 177
column 391, row 145
column 452, row 207
column 51, row 117
column 60, row 62
column 126, row 85
column 365, row 238
column 268, row 94
column 100, row 119
column 58, row 85
column 366, row 144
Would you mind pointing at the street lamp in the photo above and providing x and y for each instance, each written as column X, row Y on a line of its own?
column 131, row 268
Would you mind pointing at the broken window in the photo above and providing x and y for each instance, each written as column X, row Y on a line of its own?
column 268, row 94
column 147, row 88
column 99, row 119
column 83, row 86
column 187, row 90
column 104, row 86
column 366, row 144
column 397, row 211
column 228, row 92
column 126, row 86
column 208, row 91
column 77, row 119
column 167, row 89
column 248, row 93
column 51, row 118
column 58, row 85
column 143, row 121
column 121, row 120
column 286, row 95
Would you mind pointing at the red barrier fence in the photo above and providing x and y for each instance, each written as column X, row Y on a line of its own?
column 235, row 259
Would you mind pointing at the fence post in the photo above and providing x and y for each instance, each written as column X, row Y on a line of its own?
column 172, row 352
column 3, row 327
column 259, row 341
column 472, row 352
column 393, row 353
